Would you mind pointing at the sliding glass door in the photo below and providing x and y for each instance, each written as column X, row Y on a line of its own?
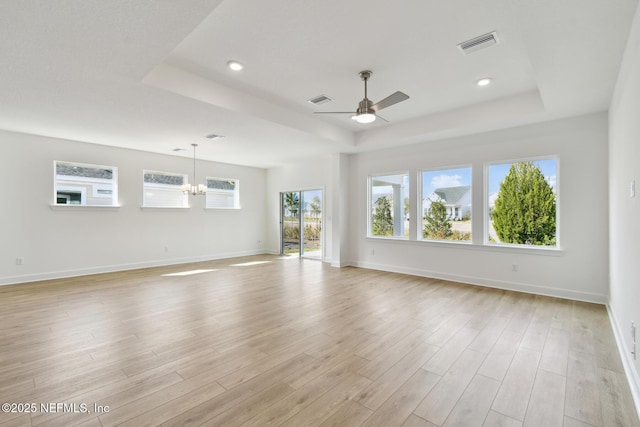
column 301, row 223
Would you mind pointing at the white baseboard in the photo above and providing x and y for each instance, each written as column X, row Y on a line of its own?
column 338, row 263
column 49, row 275
column 627, row 360
column 491, row 283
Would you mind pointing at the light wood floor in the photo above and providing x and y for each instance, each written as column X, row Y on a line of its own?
column 295, row 342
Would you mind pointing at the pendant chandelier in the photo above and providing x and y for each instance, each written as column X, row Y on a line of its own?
column 194, row 189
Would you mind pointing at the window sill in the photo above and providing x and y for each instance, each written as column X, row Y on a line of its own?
column 164, row 208
column 532, row 250
column 84, row 207
column 529, row 250
column 390, row 238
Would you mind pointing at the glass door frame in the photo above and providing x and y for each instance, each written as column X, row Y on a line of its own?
column 301, row 204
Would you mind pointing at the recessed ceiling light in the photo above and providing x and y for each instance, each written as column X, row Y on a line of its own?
column 485, row 81
column 235, row 65
column 214, row 136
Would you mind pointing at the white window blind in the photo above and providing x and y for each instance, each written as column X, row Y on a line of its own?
column 162, row 190
column 223, row 193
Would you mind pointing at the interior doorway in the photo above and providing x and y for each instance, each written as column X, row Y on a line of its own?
column 301, row 223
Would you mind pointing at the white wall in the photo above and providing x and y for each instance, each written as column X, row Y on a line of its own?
column 66, row 241
column 308, row 174
column 579, row 270
column 624, row 224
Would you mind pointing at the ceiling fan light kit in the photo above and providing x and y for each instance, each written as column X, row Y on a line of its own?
column 367, row 110
column 365, row 118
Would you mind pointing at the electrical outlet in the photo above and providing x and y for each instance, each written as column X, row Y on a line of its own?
column 19, row 261
column 514, row 267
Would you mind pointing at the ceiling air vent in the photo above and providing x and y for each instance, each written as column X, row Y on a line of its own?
column 214, row 136
column 320, row 99
column 478, row 43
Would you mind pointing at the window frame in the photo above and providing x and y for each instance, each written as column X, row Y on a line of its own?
column 185, row 196
column 370, row 179
column 420, row 209
column 236, row 193
column 486, row 204
column 87, row 186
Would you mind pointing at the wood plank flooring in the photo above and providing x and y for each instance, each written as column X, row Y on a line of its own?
column 265, row 340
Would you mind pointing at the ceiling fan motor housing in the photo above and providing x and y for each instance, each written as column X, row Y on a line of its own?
column 364, row 107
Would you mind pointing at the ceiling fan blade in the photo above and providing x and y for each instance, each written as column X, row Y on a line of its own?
column 390, row 100
column 333, row 112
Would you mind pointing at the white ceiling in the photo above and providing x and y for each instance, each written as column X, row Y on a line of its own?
column 151, row 74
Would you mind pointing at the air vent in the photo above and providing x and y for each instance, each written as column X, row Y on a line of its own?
column 214, row 136
column 477, row 43
column 320, row 99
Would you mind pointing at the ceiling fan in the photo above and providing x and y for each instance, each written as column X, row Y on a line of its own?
column 367, row 110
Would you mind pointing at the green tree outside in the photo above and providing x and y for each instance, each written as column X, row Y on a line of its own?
column 292, row 203
column 525, row 209
column 437, row 225
column 382, row 224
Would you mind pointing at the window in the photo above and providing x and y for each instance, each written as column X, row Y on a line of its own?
column 446, row 204
column 162, row 190
column 389, row 205
column 83, row 184
column 522, row 199
column 223, row 193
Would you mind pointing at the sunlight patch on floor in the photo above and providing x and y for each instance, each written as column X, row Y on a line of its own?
column 188, row 273
column 247, row 264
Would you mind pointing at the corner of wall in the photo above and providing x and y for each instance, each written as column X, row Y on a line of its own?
column 627, row 360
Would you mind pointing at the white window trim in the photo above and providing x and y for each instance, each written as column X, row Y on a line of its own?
column 236, row 194
column 485, row 217
column 113, row 182
column 153, row 185
column 419, row 223
column 369, row 233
